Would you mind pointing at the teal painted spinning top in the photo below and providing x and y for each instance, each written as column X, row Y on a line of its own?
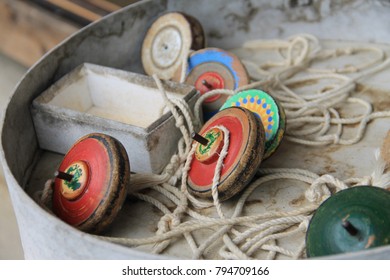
column 351, row 220
column 267, row 110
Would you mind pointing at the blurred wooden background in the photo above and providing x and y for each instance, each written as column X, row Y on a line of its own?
column 29, row 28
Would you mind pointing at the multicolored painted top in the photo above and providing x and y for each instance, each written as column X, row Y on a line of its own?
column 214, row 55
column 267, row 110
column 214, row 68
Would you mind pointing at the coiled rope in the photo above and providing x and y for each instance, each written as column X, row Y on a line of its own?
column 314, row 119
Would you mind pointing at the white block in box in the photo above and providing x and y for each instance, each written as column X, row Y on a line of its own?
column 125, row 105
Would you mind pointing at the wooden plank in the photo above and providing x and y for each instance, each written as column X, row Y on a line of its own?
column 105, row 5
column 27, row 32
column 76, row 9
column 83, row 11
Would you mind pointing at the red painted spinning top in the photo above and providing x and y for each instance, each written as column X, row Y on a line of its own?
column 245, row 152
column 90, row 187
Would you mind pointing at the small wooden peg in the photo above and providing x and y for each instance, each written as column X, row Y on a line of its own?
column 206, row 84
column 350, row 228
column 63, row 176
column 200, row 139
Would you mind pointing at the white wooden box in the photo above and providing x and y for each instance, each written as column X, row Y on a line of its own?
column 127, row 106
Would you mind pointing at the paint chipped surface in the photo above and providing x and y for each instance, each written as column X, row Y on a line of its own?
column 370, row 241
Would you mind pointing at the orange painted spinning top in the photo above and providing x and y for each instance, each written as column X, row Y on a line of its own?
column 244, row 154
column 95, row 173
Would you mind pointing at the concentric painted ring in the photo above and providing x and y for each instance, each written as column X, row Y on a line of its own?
column 245, row 152
column 167, row 43
column 226, row 65
column 266, row 108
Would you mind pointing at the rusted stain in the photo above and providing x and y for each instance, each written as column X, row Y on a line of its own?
column 243, row 21
column 323, row 155
column 330, row 169
column 378, row 97
column 253, row 202
column 331, row 165
column 153, row 142
column 297, row 201
column 332, row 148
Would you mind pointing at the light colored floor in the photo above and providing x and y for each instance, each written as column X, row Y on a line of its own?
column 10, row 246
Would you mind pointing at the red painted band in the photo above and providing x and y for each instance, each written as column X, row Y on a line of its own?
column 215, row 80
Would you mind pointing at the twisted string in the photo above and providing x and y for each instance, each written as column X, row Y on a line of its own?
column 311, row 116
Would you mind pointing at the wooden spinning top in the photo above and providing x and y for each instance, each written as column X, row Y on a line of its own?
column 91, row 183
column 245, row 152
column 268, row 110
column 168, row 41
column 212, row 68
column 351, row 220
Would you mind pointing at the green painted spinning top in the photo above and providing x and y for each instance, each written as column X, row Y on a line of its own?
column 351, row 220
